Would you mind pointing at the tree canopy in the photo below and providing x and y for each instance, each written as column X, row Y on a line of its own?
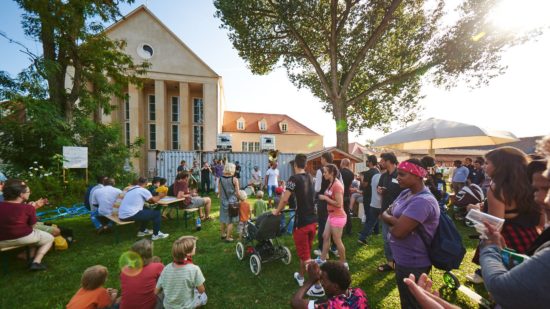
column 58, row 100
column 365, row 59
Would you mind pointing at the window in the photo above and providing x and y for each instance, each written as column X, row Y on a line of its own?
column 284, row 127
column 152, row 114
column 127, row 108
column 240, row 125
column 197, row 137
column 175, row 137
column 250, row 146
column 127, row 133
column 197, row 111
column 175, row 109
column 152, row 136
column 263, row 125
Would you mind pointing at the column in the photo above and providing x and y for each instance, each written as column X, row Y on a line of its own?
column 186, row 132
column 160, row 112
column 210, row 100
column 135, row 96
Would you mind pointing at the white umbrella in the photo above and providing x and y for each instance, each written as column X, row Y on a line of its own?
column 434, row 133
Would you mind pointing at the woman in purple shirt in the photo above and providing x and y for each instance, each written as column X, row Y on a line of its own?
column 414, row 211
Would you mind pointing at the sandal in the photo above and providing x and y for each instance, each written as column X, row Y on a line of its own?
column 206, row 218
column 229, row 240
column 386, row 267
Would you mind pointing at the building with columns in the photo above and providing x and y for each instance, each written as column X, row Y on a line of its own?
column 180, row 105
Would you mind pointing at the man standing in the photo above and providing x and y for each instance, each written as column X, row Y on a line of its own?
column 182, row 167
column 301, row 185
column 271, row 181
column 347, row 177
column 389, row 189
column 105, row 197
column 205, row 178
column 460, row 176
column 477, row 175
column 131, row 209
column 237, row 170
column 468, row 164
column 372, row 163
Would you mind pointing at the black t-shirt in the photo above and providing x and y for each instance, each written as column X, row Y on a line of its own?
column 347, row 177
column 301, row 185
column 237, row 171
column 389, row 181
column 205, row 173
column 367, row 191
column 476, row 176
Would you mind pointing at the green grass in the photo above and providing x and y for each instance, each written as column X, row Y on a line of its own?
column 229, row 282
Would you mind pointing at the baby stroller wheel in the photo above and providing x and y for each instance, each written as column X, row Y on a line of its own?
column 451, row 281
column 287, row 257
column 255, row 264
column 239, row 249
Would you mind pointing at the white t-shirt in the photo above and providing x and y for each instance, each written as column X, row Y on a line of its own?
column 133, row 202
column 375, row 199
column 92, row 207
column 272, row 177
column 105, row 197
column 256, row 176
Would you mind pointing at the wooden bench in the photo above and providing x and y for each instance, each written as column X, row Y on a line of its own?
column 5, row 257
column 117, row 221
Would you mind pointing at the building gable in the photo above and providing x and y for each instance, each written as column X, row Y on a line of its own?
column 145, row 33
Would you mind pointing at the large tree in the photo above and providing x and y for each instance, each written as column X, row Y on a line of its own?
column 59, row 99
column 365, row 59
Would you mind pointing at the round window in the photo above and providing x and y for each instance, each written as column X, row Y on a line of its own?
column 145, row 51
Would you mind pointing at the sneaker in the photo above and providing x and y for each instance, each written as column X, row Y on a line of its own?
column 362, row 242
column 299, row 280
column 317, row 252
column 474, row 278
column 316, row 290
column 144, row 233
column 320, row 261
column 37, row 267
column 346, row 265
column 160, row 235
column 335, row 252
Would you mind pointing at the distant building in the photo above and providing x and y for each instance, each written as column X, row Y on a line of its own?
column 255, row 132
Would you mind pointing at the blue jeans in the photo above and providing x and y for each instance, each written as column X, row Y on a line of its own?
column 271, row 191
column 144, row 216
column 290, row 226
column 98, row 220
column 372, row 221
column 385, row 236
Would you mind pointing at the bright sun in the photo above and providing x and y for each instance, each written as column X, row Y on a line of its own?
column 521, row 15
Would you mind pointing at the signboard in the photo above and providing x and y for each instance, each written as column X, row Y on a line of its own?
column 75, row 157
column 267, row 142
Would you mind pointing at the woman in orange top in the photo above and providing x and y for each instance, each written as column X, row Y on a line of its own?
column 334, row 196
column 92, row 294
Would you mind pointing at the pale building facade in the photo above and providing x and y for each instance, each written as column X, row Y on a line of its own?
column 180, row 104
column 249, row 132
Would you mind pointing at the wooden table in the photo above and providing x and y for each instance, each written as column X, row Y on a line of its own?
column 168, row 201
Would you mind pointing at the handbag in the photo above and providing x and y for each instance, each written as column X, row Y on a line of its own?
column 233, row 210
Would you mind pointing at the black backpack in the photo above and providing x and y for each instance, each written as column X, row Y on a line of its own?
column 446, row 250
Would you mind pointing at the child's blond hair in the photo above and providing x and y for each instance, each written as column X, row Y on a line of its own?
column 260, row 194
column 94, row 277
column 183, row 247
column 242, row 195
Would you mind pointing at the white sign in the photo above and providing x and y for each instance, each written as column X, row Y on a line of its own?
column 75, row 157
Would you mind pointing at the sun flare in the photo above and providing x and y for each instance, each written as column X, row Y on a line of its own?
column 521, row 15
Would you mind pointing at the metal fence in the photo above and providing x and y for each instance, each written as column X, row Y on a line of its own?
column 168, row 161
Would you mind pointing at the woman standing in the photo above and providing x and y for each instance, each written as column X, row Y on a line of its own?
column 334, row 196
column 228, row 187
column 414, row 211
column 17, row 219
column 510, row 197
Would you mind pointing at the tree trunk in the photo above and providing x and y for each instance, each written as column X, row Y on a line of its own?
column 339, row 113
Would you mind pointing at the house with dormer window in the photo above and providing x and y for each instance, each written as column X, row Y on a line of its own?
column 255, row 132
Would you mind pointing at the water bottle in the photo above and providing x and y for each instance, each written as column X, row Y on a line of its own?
column 198, row 224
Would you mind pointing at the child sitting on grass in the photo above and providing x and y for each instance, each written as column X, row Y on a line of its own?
column 182, row 281
column 260, row 206
column 92, row 294
column 244, row 213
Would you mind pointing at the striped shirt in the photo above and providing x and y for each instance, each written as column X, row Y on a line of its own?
column 178, row 284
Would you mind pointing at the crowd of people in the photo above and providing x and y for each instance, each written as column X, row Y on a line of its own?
column 406, row 199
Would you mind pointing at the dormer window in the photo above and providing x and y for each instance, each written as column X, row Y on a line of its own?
column 240, row 123
column 263, row 125
column 283, row 126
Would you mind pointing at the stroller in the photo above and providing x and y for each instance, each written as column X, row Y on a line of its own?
column 260, row 241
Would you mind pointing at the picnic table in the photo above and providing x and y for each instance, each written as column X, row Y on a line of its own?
column 170, row 201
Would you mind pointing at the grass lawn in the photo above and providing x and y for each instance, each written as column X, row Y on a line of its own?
column 229, row 282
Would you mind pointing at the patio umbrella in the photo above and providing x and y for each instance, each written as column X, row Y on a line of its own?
column 434, row 134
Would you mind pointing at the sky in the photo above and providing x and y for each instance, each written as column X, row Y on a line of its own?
column 517, row 101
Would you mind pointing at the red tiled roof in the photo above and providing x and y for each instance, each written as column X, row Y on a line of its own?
column 272, row 121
